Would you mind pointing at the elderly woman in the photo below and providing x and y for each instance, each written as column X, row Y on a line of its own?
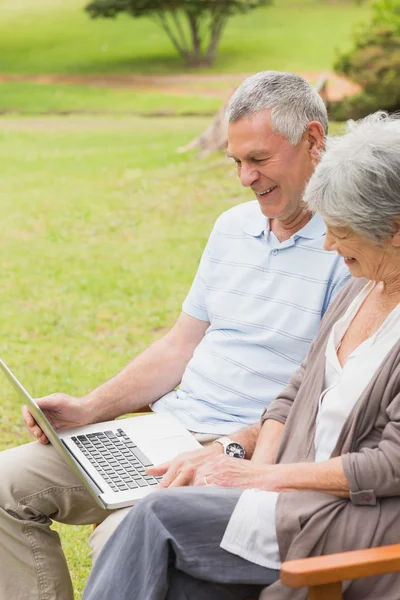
column 324, row 468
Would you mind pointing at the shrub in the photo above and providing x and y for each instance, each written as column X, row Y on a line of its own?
column 374, row 63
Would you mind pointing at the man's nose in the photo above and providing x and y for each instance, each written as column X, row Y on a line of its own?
column 248, row 175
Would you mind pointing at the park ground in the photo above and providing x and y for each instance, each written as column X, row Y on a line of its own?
column 103, row 222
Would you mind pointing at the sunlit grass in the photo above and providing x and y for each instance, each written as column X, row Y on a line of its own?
column 103, row 224
column 54, row 36
column 34, row 98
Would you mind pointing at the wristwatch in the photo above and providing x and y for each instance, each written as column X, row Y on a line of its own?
column 231, row 448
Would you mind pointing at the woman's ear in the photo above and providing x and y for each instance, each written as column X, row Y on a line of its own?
column 396, row 235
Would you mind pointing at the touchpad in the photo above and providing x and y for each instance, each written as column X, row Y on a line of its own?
column 164, row 449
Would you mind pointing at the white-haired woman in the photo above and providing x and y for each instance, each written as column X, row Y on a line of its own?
column 326, row 465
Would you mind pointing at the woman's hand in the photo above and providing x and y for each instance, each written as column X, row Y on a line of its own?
column 226, row 471
column 182, row 470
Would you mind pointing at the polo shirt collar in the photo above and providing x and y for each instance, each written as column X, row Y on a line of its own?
column 256, row 223
column 314, row 229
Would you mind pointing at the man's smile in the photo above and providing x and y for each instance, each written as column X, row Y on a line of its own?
column 265, row 192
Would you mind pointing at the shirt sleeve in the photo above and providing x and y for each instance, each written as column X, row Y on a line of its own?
column 339, row 282
column 195, row 303
column 251, row 531
column 279, row 409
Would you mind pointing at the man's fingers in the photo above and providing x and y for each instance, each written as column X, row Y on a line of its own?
column 29, row 420
column 43, row 439
column 33, row 426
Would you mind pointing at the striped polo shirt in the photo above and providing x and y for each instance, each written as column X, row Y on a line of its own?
column 264, row 300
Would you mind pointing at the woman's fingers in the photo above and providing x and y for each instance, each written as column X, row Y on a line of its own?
column 183, row 478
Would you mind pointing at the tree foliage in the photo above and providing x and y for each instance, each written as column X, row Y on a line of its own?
column 193, row 26
column 374, row 63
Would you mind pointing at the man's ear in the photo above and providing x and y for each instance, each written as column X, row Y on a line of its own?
column 316, row 140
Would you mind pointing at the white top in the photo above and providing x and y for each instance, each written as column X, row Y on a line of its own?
column 251, row 531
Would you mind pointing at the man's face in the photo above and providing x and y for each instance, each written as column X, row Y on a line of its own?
column 276, row 171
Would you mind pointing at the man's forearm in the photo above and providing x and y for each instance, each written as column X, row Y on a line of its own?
column 260, row 443
column 267, row 443
column 156, row 371
column 247, row 437
column 146, row 378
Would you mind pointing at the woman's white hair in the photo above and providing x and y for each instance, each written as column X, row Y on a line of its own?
column 293, row 103
column 357, row 183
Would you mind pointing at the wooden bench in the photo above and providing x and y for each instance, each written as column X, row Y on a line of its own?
column 323, row 575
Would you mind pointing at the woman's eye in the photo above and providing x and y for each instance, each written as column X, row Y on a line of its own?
column 340, row 236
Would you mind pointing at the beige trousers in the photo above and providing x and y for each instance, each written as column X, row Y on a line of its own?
column 37, row 487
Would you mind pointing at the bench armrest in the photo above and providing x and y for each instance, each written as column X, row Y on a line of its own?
column 322, row 570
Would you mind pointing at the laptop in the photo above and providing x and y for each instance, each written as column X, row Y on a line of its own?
column 110, row 458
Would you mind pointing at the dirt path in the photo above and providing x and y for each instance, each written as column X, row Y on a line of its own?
column 211, row 86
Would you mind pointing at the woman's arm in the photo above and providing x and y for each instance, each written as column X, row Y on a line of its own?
column 375, row 472
column 327, row 476
column 226, row 471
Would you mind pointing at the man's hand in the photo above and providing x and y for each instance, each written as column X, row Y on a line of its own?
column 182, row 470
column 61, row 410
column 227, row 471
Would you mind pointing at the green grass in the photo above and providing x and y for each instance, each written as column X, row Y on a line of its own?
column 103, row 224
column 54, row 36
column 102, row 228
column 33, row 98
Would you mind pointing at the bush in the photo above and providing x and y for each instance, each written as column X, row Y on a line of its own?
column 374, row 63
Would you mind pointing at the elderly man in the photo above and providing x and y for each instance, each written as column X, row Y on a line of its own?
column 263, row 285
column 325, row 472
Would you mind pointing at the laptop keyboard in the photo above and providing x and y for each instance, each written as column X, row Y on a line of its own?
column 117, row 458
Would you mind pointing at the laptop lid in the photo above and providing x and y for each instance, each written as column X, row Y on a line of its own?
column 160, row 436
column 50, row 432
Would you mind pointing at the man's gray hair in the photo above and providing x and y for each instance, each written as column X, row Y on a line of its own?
column 293, row 103
column 357, row 183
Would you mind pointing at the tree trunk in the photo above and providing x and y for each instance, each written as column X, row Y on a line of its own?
column 213, row 45
column 177, row 38
column 194, row 32
column 216, row 27
column 214, row 137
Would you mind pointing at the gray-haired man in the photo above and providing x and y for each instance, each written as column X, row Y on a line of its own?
column 263, row 284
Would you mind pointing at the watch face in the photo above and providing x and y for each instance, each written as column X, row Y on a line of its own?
column 235, row 450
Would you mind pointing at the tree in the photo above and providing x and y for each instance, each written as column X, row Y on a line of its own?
column 193, row 26
column 374, row 63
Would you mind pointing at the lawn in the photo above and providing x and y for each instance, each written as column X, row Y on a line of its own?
column 103, row 224
column 102, row 228
column 54, row 36
column 33, row 98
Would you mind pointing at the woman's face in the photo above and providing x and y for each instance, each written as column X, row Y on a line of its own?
column 363, row 257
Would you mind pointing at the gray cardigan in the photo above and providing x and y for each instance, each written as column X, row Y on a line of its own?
column 313, row 523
